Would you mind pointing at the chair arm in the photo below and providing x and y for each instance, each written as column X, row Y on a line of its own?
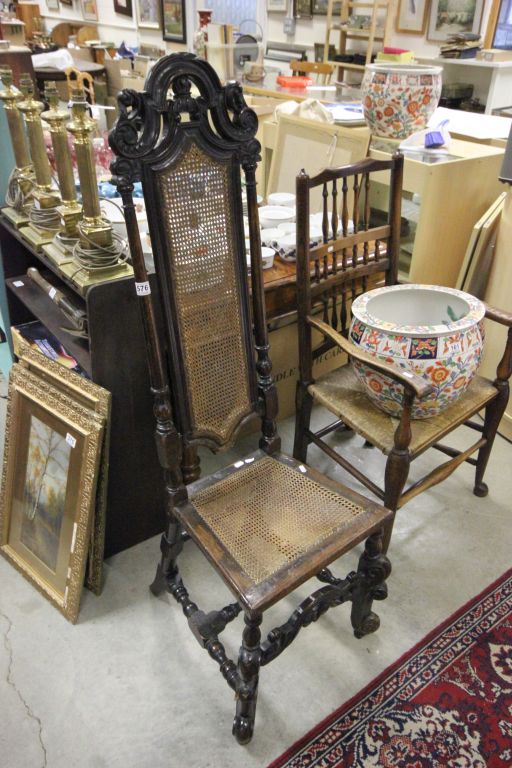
column 419, row 386
column 498, row 315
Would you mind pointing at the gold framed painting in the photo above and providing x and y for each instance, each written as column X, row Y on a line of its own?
column 50, row 470
column 97, row 399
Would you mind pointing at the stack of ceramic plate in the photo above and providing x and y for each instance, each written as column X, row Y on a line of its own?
column 281, row 198
column 287, row 243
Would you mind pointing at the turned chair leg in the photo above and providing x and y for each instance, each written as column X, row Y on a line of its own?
column 395, row 477
column 372, row 572
column 493, row 413
column 304, row 404
column 171, row 545
column 247, row 685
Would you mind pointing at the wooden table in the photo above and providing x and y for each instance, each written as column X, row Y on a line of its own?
column 270, row 88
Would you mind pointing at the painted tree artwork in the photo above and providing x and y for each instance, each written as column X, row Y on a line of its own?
column 44, row 492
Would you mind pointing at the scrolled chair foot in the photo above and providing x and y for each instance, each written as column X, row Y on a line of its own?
column 159, row 583
column 370, row 624
column 243, row 729
column 481, row 489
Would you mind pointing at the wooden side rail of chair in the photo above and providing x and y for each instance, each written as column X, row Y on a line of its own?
column 419, row 386
column 498, row 315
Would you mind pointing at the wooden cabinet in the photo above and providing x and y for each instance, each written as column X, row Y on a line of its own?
column 443, row 197
column 114, row 357
column 353, row 38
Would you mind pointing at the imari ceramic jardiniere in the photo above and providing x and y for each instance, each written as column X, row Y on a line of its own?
column 433, row 331
column 398, row 99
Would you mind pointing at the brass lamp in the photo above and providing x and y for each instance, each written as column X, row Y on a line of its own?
column 60, row 249
column 44, row 216
column 22, row 177
column 100, row 254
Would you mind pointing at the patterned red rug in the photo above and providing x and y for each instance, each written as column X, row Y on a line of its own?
column 447, row 703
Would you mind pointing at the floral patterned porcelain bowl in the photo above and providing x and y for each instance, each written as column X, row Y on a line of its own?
column 433, row 331
column 398, row 99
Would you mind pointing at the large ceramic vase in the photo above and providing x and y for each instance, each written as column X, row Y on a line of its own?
column 435, row 332
column 399, row 99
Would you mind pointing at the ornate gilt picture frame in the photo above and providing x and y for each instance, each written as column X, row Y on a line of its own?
column 52, row 450
column 97, row 399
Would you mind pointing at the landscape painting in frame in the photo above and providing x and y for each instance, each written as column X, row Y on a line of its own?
column 411, row 16
column 451, row 17
column 148, row 14
column 49, row 481
column 173, row 20
column 89, row 10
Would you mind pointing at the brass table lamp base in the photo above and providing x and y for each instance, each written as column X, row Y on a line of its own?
column 16, row 218
column 57, row 253
column 37, row 237
column 84, row 278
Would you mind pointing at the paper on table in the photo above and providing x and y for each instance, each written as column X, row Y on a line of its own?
column 472, row 124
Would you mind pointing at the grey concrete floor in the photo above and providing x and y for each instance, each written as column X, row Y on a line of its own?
column 129, row 687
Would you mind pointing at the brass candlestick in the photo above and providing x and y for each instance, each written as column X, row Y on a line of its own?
column 22, row 177
column 100, row 252
column 44, row 217
column 60, row 249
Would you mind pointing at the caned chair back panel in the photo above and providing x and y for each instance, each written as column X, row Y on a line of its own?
column 196, row 195
column 353, row 252
column 187, row 139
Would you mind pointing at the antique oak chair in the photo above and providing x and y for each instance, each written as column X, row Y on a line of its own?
column 321, row 69
column 329, row 277
column 266, row 523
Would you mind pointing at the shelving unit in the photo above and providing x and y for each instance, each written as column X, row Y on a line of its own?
column 114, row 357
column 381, row 14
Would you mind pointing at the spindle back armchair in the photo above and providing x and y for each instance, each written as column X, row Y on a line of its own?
column 358, row 256
column 267, row 522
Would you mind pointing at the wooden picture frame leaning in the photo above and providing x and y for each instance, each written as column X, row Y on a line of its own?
column 52, row 450
column 98, row 400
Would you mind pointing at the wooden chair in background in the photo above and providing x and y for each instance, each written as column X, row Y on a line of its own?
column 266, row 523
column 321, row 69
column 329, row 277
column 77, row 79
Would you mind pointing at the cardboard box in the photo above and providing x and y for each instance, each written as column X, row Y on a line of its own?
column 121, row 75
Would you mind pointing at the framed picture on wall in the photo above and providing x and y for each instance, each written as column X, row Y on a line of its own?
column 449, row 17
column 277, row 5
column 499, row 25
column 303, row 9
column 174, row 20
column 148, row 14
column 89, row 10
column 412, row 16
column 124, row 7
column 320, row 7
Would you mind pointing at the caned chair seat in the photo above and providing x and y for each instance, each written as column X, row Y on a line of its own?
column 270, row 519
column 341, row 393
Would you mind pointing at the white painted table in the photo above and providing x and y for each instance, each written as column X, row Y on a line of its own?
column 492, row 79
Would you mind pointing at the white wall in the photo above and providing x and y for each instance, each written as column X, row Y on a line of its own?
column 310, row 31
column 115, row 27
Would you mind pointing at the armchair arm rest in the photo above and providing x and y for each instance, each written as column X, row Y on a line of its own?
column 498, row 315
column 419, row 386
